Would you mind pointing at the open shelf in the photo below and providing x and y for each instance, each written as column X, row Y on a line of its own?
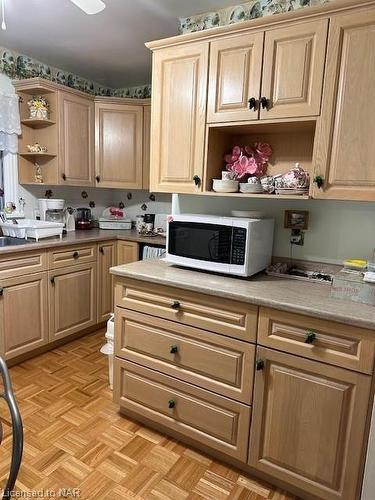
column 291, row 142
column 36, row 123
column 259, row 195
column 37, row 155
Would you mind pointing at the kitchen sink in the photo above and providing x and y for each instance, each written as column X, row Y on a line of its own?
column 6, row 241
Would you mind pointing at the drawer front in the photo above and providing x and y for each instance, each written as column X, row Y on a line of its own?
column 205, row 359
column 218, row 315
column 69, row 256
column 334, row 343
column 21, row 263
column 215, row 421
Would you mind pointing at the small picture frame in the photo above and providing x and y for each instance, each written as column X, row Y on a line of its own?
column 296, row 219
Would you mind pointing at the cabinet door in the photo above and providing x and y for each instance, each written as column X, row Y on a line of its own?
column 345, row 146
column 308, row 424
column 106, row 259
column 72, row 300
column 76, row 140
column 178, row 117
column 23, row 314
column 235, row 73
column 127, row 251
column 293, row 70
column 119, row 145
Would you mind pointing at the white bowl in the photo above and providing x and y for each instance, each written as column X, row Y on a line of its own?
column 225, row 186
column 250, row 188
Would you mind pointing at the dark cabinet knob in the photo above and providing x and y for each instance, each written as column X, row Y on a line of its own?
column 101, row 249
column 252, row 103
column 319, row 181
column 63, row 177
column 97, row 178
column 264, row 102
column 175, row 304
column 197, row 180
column 310, row 337
column 173, row 349
column 1, row 291
column 52, row 280
column 75, row 255
column 171, row 403
column 259, row 365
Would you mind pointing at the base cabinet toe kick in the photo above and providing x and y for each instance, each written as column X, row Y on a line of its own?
column 283, row 396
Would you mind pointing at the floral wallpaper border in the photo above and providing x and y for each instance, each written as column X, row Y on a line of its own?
column 17, row 66
column 242, row 12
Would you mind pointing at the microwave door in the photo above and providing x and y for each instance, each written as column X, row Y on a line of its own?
column 200, row 241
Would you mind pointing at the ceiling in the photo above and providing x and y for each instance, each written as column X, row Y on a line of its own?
column 107, row 47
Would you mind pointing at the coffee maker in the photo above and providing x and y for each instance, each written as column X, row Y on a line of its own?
column 84, row 218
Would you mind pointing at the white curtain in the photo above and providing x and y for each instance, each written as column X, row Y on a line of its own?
column 10, row 127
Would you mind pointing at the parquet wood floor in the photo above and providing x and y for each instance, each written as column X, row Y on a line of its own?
column 75, row 438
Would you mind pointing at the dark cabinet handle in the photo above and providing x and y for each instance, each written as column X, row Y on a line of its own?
column 174, row 349
column 97, row 178
column 252, row 103
column 264, row 102
column 171, row 403
column 197, row 180
column 101, row 249
column 75, row 255
column 319, row 181
column 63, row 177
column 175, row 304
column 259, row 365
column 52, row 280
column 1, row 291
column 310, row 337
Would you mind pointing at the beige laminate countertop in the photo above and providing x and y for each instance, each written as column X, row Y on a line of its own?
column 290, row 295
column 88, row 236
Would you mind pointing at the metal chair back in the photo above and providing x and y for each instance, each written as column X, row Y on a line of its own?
column 17, row 430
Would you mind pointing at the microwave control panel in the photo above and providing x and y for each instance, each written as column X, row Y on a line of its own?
column 238, row 246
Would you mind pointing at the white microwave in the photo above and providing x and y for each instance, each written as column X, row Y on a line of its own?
column 229, row 245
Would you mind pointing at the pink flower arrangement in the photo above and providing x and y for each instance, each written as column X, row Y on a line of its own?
column 250, row 161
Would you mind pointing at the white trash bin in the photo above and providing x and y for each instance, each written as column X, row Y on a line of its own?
column 108, row 348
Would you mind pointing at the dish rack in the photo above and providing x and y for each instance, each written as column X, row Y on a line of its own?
column 32, row 228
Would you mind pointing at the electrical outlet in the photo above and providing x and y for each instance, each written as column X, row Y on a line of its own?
column 297, row 237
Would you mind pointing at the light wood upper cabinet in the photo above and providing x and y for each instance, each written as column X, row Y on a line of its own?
column 234, row 78
column 293, row 68
column 72, row 299
column 146, row 147
column 345, row 146
column 179, row 93
column 119, row 145
column 76, row 140
column 23, row 314
column 308, row 424
column 106, row 260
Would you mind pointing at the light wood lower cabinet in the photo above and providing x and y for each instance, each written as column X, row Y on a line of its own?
column 106, row 260
column 23, row 314
column 72, row 300
column 308, row 424
column 127, row 252
column 215, row 421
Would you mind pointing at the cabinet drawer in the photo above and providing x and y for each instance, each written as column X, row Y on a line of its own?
column 71, row 255
column 21, row 263
column 227, row 317
column 215, row 421
column 205, row 359
column 327, row 341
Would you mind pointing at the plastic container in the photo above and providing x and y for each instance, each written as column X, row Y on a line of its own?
column 115, row 223
column 108, row 348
